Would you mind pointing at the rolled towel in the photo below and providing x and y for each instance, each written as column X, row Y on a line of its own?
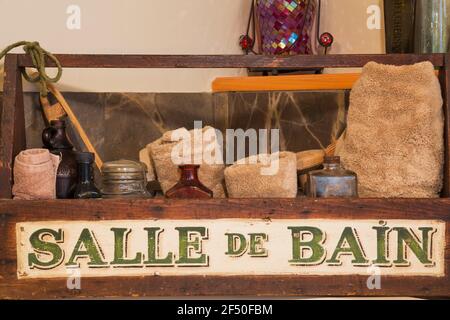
column 35, row 175
column 211, row 175
column 247, row 178
column 144, row 157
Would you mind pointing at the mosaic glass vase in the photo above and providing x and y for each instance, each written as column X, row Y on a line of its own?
column 286, row 26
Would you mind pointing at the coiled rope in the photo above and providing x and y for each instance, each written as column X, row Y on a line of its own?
column 38, row 55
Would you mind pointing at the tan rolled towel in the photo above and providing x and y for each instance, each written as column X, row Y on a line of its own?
column 167, row 172
column 248, row 181
column 35, row 175
column 144, row 157
column 395, row 132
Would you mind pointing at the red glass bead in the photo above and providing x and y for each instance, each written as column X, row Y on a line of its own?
column 246, row 42
column 326, row 39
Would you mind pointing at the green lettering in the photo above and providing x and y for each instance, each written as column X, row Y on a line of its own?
column 189, row 243
column 256, row 244
column 354, row 248
column 300, row 247
column 237, row 244
column 91, row 250
column 120, row 249
column 153, row 249
column 409, row 239
column 382, row 246
column 46, row 249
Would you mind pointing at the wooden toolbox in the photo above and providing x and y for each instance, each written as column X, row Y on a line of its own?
column 227, row 247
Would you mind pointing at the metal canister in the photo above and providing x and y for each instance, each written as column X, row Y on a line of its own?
column 124, row 179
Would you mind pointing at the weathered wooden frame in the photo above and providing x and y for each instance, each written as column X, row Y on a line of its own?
column 11, row 212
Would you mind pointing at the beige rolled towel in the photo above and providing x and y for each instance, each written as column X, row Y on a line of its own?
column 395, row 132
column 144, row 157
column 167, row 172
column 248, row 180
column 35, row 175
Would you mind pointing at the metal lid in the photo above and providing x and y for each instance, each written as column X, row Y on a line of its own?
column 123, row 166
column 123, row 177
column 332, row 160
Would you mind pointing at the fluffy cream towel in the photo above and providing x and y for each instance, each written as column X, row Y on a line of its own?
column 395, row 132
column 248, row 181
column 35, row 175
column 211, row 175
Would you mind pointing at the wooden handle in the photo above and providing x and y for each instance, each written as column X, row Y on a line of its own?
column 68, row 110
column 51, row 112
column 61, row 109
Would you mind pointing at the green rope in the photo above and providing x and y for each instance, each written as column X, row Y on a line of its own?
column 38, row 58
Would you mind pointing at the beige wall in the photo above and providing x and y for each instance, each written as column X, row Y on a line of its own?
column 151, row 26
column 347, row 20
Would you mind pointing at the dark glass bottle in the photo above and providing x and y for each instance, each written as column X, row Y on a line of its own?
column 189, row 186
column 85, row 188
column 55, row 139
column 333, row 181
column 399, row 16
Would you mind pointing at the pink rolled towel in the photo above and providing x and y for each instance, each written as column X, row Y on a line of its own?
column 35, row 175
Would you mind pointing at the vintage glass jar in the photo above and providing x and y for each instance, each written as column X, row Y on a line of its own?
column 124, row 179
column 333, row 181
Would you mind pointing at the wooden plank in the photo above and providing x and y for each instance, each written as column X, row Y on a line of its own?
column 12, row 212
column 232, row 61
column 343, row 81
column 338, row 81
column 444, row 77
column 27, row 211
column 12, row 125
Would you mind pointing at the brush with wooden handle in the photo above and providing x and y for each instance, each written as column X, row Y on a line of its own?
column 62, row 109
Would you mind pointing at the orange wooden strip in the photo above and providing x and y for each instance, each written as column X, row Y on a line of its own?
column 339, row 81
column 295, row 82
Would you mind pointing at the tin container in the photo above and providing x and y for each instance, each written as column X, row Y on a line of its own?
column 124, row 179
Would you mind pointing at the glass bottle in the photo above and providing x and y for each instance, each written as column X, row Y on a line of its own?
column 56, row 141
column 399, row 18
column 189, row 186
column 432, row 26
column 85, row 188
column 333, row 181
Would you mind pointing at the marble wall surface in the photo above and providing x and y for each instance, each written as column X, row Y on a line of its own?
column 120, row 124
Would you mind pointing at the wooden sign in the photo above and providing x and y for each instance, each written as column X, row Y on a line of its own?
column 228, row 247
